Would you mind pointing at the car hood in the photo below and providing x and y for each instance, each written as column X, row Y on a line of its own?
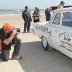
column 42, row 23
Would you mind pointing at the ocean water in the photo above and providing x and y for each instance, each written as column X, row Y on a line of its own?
column 16, row 11
column 10, row 11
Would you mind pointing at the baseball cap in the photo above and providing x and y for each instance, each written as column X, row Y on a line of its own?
column 7, row 26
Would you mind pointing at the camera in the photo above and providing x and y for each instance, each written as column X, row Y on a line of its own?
column 15, row 38
column 18, row 30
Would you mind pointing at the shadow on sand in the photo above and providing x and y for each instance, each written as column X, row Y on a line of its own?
column 35, row 59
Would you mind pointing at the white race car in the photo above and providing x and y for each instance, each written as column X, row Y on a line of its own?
column 57, row 32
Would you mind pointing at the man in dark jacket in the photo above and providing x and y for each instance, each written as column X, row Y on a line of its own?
column 27, row 19
column 47, row 14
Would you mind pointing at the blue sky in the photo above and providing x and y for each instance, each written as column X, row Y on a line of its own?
column 19, row 4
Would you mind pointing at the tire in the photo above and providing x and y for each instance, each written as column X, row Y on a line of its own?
column 44, row 43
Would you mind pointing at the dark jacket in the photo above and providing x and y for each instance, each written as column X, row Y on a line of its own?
column 48, row 15
column 26, row 15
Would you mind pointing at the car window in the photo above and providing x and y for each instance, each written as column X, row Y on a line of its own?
column 57, row 19
column 67, row 19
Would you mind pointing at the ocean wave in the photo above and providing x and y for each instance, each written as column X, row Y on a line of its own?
column 16, row 11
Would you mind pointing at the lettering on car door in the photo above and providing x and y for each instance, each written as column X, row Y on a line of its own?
column 66, row 32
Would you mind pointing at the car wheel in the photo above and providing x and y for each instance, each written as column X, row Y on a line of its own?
column 44, row 43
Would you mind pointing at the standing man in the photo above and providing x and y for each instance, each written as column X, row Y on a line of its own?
column 47, row 14
column 27, row 19
column 7, row 38
column 51, row 12
column 61, row 5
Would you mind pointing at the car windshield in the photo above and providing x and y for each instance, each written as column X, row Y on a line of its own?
column 67, row 19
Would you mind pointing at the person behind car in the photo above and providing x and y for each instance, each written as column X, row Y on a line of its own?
column 61, row 5
column 7, row 38
column 27, row 19
column 47, row 14
column 51, row 12
column 36, row 15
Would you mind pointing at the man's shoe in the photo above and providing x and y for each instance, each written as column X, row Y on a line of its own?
column 24, row 32
column 28, row 31
column 17, row 57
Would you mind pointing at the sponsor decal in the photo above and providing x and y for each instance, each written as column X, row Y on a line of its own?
column 65, row 41
column 66, row 44
column 44, row 29
column 66, row 36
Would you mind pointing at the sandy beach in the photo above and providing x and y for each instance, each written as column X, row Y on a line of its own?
column 16, row 20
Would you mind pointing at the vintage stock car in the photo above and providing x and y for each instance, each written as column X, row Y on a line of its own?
column 56, row 33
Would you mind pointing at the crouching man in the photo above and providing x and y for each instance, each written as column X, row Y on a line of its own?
column 7, row 38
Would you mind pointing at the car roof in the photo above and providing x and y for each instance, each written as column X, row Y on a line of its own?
column 63, row 9
column 55, row 7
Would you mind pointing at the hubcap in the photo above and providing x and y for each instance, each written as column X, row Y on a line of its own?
column 44, row 42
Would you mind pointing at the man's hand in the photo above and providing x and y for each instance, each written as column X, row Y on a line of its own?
column 14, row 32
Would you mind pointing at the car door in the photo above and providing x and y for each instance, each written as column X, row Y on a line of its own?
column 65, row 34
column 55, row 27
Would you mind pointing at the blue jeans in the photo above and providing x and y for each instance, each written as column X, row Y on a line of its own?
column 5, row 53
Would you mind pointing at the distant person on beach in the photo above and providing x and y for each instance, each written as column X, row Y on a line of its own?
column 27, row 19
column 7, row 38
column 36, row 15
column 61, row 5
column 47, row 14
column 51, row 12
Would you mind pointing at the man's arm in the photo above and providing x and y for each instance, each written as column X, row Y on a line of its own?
column 7, row 41
column 23, row 15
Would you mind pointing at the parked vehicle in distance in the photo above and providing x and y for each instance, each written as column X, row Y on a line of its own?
column 56, row 33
